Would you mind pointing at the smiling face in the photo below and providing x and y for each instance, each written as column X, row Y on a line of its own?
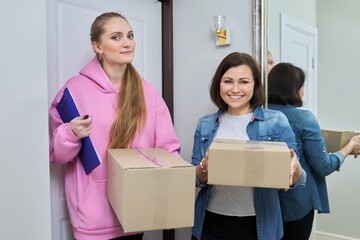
column 117, row 44
column 237, row 88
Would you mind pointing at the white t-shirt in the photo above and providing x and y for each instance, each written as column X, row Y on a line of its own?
column 232, row 200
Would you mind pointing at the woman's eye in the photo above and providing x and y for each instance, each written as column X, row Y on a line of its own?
column 116, row 37
column 131, row 36
column 227, row 81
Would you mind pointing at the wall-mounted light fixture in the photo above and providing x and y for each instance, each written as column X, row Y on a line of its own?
column 222, row 32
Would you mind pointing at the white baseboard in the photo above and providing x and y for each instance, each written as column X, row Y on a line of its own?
column 329, row 236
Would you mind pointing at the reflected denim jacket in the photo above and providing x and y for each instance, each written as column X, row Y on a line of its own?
column 314, row 159
column 266, row 125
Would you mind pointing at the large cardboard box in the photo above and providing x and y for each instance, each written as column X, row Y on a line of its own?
column 249, row 163
column 336, row 139
column 150, row 189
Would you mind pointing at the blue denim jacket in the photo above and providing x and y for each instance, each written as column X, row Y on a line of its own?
column 314, row 159
column 266, row 125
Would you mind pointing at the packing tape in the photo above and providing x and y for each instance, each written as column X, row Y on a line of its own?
column 153, row 159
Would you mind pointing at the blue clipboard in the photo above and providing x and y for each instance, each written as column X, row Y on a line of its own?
column 68, row 111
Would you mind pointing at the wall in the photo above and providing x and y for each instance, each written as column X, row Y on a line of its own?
column 24, row 171
column 302, row 10
column 338, row 83
column 196, row 58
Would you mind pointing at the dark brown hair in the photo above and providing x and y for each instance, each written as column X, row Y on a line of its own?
column 233, row 60
column 131, row 109
column 284, row 83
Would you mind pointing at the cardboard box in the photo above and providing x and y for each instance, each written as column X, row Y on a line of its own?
column 151, row 189
column 336, row 139
column 249, row 163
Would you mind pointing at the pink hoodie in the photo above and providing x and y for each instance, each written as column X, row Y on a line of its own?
column 91, row 215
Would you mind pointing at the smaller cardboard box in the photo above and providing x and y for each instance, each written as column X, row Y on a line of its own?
column 249, row 163
column 151, row 189
column 336, row 139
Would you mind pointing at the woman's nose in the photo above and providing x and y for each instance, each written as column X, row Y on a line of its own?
column 126, row 43
column 236, row 88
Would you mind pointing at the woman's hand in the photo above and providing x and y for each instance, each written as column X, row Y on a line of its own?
column 355, row 143
column 202, row 169
column 295, row 169
column 352, row 147
column 81, row 126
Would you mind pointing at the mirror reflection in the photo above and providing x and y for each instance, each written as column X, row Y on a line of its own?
column 323, row 38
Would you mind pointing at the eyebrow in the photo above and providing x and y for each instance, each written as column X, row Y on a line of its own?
column 121, row 33
column 242, row 78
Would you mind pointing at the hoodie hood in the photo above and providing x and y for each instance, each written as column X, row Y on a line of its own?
column 94, row 71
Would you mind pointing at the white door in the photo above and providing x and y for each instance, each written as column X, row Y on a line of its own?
column 69, row 49
column 299, row 47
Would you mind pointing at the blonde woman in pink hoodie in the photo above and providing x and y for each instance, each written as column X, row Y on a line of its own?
column 124, row 110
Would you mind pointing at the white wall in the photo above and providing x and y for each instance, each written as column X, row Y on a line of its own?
column 196, row 58
column 338, row 97
column 24, row 171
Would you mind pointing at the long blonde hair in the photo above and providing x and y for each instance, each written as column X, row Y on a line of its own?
column 130, row 109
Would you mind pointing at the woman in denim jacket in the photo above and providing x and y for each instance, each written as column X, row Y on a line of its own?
column 286, row 88
column 232, row 212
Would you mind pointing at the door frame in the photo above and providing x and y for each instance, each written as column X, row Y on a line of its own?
column 167, row 54
column 167, row 70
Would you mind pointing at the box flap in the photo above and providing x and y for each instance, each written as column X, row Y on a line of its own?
column 249, row 145
column 339, row 131
column 147, row 158
column 163, row 158
column 130, row 159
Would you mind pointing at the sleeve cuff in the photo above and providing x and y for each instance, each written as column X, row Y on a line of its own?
column 301, row 182
column 340, row 157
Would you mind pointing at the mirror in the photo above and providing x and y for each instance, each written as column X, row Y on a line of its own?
column 331, row 95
